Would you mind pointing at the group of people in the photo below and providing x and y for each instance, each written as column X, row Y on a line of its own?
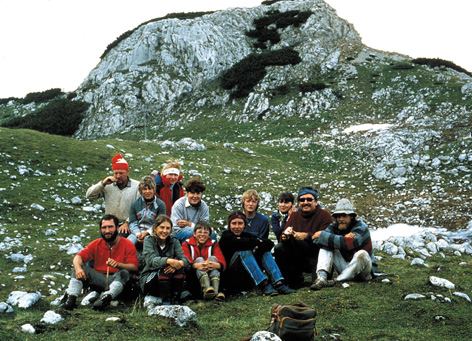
column 157, row 232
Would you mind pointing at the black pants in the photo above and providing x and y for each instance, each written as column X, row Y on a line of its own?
column 294, row 257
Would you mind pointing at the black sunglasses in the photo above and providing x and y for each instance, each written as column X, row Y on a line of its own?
column 305, row 199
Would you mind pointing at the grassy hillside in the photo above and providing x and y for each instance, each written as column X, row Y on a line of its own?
column 59, row 167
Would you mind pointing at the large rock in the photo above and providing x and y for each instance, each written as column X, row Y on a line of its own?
column 182, row 315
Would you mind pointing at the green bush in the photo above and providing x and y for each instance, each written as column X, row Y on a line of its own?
column 41, row 97
column 311, row 87
column 281, row 20
column 6, row 100
column 59, row 117
column 245, row 74
column 403, row 66
column 436, row 62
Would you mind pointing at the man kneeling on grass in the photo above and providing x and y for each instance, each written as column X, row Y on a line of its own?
column 346, row 245
column 114, row 258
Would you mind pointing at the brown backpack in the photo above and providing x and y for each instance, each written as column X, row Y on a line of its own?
column 293, row 322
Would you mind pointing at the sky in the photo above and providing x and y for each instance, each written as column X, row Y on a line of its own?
column 48, row 44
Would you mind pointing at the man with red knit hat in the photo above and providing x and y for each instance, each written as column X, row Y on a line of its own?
column 119, row 192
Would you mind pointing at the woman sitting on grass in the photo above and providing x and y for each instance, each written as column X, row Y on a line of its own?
column 163, row 273
column 207, row 261
column 246, row 254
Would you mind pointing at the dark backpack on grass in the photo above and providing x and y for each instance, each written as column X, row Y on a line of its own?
column 293, row 322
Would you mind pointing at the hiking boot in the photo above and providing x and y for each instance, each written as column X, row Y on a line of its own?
column 103, row 302
column 268, row 290
column 215, row 283
column 68, row 302
column 283, row 289
column 321, row 283
column 207, row 290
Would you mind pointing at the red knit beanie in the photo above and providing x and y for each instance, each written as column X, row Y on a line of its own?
column 119, row 163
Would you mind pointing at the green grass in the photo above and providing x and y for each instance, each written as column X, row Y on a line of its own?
column 364, row 311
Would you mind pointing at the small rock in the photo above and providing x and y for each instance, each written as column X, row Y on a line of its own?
column 91, row 297
column 182, row 315
column 37, row 207
column 28, row 328
column 441, row 282
column 414, row 297
column 345, row 285
column 265, row 336
column 461, row 294
column 51, row 317
column 113, row 319
column 5, row 308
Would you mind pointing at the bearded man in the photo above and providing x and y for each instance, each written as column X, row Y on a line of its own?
column 345, row 245
column 114, row 259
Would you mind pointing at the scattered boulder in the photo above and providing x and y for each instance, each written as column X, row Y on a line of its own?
column 23, row 299
column 461, row 294
column 51, row 317
column 441, row 282
column 265, row 336
column 414, row 297
column 28, row 328
column 182, row 315
column 5, row 308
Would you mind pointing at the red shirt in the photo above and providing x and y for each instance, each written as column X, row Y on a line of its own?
column 98, row 251
column 211, row 248
column 317, row 221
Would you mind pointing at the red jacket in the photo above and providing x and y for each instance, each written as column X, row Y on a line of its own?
column 211, row 248
column 166, row 193
column 98, row 251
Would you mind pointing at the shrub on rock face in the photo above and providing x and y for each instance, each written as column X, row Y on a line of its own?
column 436, row 62
column 245, row 74
column 41, row 97
column 59, row 117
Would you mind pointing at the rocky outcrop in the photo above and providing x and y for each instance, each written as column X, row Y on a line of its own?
column 169, row 62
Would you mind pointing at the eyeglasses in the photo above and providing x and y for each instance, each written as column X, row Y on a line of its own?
column 305, row 199
column 202, row 232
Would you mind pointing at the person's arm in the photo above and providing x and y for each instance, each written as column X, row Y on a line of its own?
column 276, row 228
column 121, row 266
column 177, row 215
column 264, row 231
column 96, row 191
column 79, row 272
column 133, row 219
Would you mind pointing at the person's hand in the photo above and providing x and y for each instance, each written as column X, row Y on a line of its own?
column 300, row 235
column 169, row 270
column 176, row 264
column 109, row 180
column 350, row 235
column 200, row 266
column 142, row 235
column 213, row 265
column 111, row 262
column 316, row 235
column 80, row 274
column 183, row 223
column 124, row 228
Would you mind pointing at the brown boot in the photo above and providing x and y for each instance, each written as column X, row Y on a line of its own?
column 215, row 283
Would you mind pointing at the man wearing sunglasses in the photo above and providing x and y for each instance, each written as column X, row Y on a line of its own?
column 296, row 252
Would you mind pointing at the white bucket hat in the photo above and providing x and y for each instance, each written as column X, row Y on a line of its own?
column 344, row 206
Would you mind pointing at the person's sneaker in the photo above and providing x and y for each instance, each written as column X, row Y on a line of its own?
column 268, row 290
column 321, row 283
column 283, row 289
column 68, row 302
column 103, row 302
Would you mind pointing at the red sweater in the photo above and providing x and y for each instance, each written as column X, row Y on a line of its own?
column 98, row 251
column 211, row 248
column 317, row 221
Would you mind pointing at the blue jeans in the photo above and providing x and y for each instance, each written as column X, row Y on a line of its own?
column 253, row 266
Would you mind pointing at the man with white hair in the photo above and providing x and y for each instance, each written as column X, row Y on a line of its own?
column 345, row 245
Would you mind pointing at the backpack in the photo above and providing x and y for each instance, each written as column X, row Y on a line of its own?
column 293, row 322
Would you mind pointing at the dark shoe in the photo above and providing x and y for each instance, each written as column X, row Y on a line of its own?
column 68, row 302
column 102, row 303
column 321, row 283
column 283, row 289
column 268, row 290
